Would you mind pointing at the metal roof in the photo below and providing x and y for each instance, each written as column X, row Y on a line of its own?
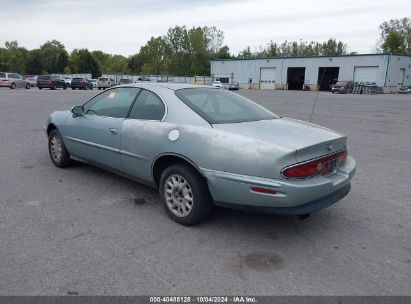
column 299, row 57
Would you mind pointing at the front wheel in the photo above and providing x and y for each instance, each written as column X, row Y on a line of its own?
column 28, row 85
column 57, row 150
column 185, row 194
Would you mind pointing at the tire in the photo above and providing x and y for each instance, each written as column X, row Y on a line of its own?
column 57, row 150
column 28, row 85
column 53, row 87
column 40, row 88
column 181, row 185
column 73, row 88
column 13, row 86
column 64, row 87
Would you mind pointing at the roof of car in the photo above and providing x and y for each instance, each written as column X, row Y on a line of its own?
column 168, row 85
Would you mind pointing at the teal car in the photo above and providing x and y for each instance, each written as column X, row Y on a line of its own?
column 202, row 146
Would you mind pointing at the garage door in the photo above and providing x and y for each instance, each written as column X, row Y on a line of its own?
column 365, row 74
column 267, row 78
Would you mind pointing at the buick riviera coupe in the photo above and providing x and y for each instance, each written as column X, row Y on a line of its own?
column 202, row 146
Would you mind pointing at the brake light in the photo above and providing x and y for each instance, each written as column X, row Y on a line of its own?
column 318, row 166
column 50, row 81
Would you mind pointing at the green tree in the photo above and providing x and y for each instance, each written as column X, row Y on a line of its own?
column 103, row 61
column 34, row 62
column 394, row 42
column 14, row 57
column 81, row 61
column 54, row 57
column 246, row 53
column 395, row 36
column 118, row 64
column 223, row 53
column 154, row 56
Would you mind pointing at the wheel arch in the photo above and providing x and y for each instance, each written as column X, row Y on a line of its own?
column 162, row 161
column 50, row 128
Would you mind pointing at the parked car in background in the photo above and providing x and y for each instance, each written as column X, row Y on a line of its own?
column 405, row 90
column 143, row 79
column 342, row 87
column 125, row 81
column 50, row 82
column 32, row 81
column 203, row 146
column 234, row 86
column 93, row 82
column 67, row 80
column 217, row 84
column 105, row 82
column 81, row 83
column 13, row 80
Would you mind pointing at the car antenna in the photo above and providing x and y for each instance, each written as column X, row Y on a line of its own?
column 316, row 95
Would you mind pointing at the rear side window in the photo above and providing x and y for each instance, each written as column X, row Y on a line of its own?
column 148, row 106
column 43, row 77
column 112, row 103
column 2, row 75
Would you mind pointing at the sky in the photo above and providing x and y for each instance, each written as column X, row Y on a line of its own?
column 123, row 26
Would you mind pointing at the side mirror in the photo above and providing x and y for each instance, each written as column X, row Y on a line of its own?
column 77, row 110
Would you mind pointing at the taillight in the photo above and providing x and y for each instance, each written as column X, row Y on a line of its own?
column 50, row 81
column 320, row 166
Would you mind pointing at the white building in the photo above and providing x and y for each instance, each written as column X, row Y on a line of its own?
column 387, row 71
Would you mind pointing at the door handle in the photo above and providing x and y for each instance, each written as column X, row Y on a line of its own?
column 113, row 131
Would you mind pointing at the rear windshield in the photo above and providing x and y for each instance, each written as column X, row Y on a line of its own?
column 77, row 78
column 44, row 77
column 219, row 106
column 103, row 79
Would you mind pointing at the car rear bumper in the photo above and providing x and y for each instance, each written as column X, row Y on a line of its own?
column 104, row 85
column 292, row 196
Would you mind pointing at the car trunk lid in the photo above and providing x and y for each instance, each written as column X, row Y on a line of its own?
column 309, row 140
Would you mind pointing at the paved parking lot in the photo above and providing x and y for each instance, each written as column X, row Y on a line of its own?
column 83, row 230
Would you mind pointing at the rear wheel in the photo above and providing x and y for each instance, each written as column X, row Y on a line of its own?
column 40, row 88
column 28, row 85
column 57, row 150
column 13, row 86
column 185, row 194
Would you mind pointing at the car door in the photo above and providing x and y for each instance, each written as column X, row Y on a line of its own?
column 143, row 135
column 21, row 81
column 15, row 79
column 95, row 135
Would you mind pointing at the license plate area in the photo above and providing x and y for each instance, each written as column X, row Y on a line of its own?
column 330, row 167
